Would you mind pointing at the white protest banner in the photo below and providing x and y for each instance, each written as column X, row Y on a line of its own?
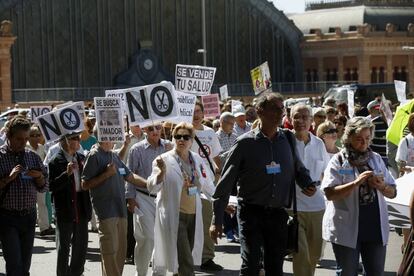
column 398, row 207
column 400, row 90
column 385, row 107
column 36, row 111
column 224, row 93
column 351, row 103
column 185, row 107
column 196, row 80
column 62, row 121
column 211, row 105
column 235, row 105
column 117, row 93
column 80, row 106
column 151, row 104
column 261, row 78
column 109, row 119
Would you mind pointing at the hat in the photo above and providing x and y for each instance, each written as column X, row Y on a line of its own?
column 239, row 111
column 373, row 105
column 70, row 135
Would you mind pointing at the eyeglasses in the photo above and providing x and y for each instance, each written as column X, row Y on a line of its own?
column 330, row 131
column 186, row 137
column 35, row 135
column 151, row 128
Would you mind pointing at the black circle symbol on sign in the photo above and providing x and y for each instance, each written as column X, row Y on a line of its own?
column 161, row 101
column 70, row 119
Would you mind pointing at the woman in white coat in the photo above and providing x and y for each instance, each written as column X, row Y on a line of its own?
column 178, row 177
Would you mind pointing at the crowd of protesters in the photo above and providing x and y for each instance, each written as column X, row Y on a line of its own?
column 161, row 198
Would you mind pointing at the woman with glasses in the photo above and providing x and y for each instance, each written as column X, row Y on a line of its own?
column 178, row 177
column 356, row 183
column 328, row 133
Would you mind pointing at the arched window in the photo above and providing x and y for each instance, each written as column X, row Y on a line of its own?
column 396, row 74
column 328, row 74
column 347, row 75
column 381, row 77
column 403, row 74
column 354, row 75
column 315, row 75
column 334, row 73
column 308, row 75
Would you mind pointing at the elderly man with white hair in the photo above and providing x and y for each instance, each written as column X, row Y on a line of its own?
column 312, row 152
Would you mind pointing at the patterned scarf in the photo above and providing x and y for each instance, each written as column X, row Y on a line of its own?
column 360, row 161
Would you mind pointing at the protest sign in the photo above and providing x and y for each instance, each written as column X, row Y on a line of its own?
column 261, row 78
column 400, row 90
column 80, row 106
column 196, row 80
column 117, row 93
column 36, row 111
column 224, row 93
column 351, row 103
column 211, row 105
column 235, row 105
column 62, row 121
column 151, row 104
column 398, row 207
column 109, row 119
column 185, row 108
column 385, row 107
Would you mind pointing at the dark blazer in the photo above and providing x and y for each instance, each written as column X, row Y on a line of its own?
column 63, row 192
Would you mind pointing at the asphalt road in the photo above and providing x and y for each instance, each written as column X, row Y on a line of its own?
column 227, row 255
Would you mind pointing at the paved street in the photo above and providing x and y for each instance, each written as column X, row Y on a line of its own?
column 44, row 258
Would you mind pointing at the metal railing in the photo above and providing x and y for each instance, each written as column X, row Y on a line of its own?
column 63, row 94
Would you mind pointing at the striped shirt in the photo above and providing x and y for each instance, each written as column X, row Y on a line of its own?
column 22, row 194
column 379, row 141
column 226, row 140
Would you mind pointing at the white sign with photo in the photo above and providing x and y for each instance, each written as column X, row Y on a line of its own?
column 109, row 119
column 62, row 121
column 400, row 90
column 196, row 80
column 151, row 104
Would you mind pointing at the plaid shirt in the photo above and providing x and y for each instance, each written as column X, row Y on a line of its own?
column 23, row 192
column 226, row 140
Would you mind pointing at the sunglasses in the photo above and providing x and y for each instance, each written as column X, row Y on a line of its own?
column 185, row 137
column 151, row 128
column 330, row 131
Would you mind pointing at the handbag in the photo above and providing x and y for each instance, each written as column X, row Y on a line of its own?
column 292, row 244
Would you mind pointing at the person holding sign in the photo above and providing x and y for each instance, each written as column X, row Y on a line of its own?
column 22, row 175
column 356, row 183
column 72, row 205
column 104, row 174
column 178, row 177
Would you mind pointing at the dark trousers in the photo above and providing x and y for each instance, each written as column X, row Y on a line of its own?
column 230, row 223
column 260, row 227
column 17, row 237
column 130, row 237
column 75, row 235
column 185, row 244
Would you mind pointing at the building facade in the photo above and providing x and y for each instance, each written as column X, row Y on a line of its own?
column 362, row 41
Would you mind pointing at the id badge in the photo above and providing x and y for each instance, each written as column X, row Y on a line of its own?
column 121, row 171
column 192, row 190
column 346, row 171
column 273, row 168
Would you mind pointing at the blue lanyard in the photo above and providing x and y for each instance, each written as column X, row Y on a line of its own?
column 192, row 165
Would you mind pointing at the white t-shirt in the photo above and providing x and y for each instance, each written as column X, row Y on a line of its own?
column 211, row 143
column 406, row 152
column 315, row 158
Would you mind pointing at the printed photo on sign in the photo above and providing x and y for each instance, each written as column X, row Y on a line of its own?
column 109, row 119
column 62, row 121
column 261, row 79
column 151, row 104
column 196, row 80
column 224, row 93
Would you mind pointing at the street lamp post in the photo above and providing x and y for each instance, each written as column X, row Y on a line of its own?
column 203, row 31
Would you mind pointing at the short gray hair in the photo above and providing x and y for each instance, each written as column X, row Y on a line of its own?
column 355, row 126
column 300, row 106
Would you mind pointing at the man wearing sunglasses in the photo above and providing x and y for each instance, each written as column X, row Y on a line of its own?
column 140, row 202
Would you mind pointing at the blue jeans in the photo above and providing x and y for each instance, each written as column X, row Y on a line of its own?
column 17, row 237
column 262, row 228
column 71, row 234
column 372, row 254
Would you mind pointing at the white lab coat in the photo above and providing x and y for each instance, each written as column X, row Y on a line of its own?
column 167, row 212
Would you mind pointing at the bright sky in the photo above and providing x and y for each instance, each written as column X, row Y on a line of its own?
column 290, row 6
